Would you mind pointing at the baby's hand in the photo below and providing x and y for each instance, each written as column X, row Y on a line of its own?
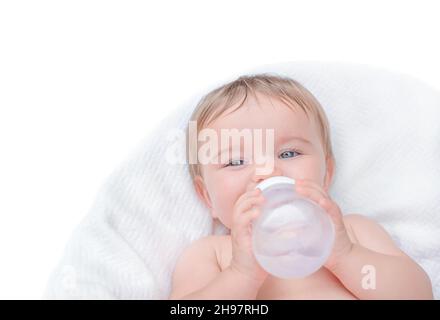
column 342, row 244
column 246, row 209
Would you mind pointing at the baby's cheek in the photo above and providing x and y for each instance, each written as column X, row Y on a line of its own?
column 228, row 208
column 221, row 206
column 309, row 169
column 225, row 217
column 228, row 189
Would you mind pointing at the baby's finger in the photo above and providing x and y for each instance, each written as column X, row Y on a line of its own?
column 244, row 225
column 310, row 193
column 334, row 211
column 247, row 204
column 242, row 211
column 324, row 202
column 248, row 194
column 311, row 184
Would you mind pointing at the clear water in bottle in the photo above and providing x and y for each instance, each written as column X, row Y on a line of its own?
column 293, row 236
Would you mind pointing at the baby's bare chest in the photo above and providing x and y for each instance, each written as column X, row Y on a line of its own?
column 321, row 285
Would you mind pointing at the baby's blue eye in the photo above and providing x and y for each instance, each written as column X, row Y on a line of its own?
column 288, row 154
column 235, row 163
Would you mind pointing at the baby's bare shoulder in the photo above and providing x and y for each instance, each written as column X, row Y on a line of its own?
column 222, row 246
column 359, row 224
column 212, row 241
column 370, row 234
column 196, row 266
column 212, row 246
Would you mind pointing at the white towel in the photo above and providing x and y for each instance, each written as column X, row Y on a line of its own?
column 385, row 131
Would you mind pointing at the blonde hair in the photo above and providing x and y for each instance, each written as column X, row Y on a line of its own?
column 289, row 91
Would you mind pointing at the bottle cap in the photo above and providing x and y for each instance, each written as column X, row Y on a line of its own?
column 274, row 180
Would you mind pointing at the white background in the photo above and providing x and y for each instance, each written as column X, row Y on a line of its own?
column 83, row 82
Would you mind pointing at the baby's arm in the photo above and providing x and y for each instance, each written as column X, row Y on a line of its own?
column 397, row 276
column 198, row 276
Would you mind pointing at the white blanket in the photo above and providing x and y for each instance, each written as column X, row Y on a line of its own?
column 386, row 139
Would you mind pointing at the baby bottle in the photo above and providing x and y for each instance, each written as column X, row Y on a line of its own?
column 293, row 236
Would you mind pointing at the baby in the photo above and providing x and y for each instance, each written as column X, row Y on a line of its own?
column 224, row 266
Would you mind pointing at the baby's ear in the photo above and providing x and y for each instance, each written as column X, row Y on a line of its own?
column 201, row 191
column 330, row 170
column 203, row 194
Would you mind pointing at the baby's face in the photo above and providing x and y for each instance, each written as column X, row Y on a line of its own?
column 297, row 153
